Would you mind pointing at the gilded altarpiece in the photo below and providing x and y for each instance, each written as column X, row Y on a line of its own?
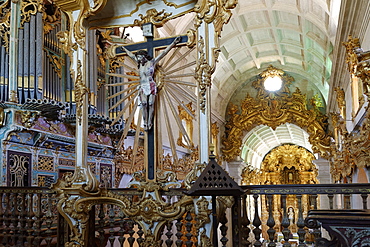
column 287, row 164
column 273, row 110
column 350, row 151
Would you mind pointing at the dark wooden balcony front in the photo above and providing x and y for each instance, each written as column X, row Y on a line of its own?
column 29, row 217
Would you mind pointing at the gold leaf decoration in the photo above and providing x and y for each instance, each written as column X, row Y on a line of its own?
column 273, row 110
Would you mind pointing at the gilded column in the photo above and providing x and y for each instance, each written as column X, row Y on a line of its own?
column 13, row 48
column 211, row 16
column 72, row 189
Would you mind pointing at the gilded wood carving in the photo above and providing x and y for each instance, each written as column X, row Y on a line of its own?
column 274, row 109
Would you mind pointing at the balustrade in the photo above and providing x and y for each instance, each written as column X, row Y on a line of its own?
column 28, row 217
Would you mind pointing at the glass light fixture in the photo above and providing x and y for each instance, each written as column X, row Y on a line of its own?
column 273, row 83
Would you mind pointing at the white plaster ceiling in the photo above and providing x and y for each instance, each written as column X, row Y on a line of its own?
column 262, row 139
column 293, row 35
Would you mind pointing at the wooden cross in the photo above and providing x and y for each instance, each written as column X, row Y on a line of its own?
column 150, row 45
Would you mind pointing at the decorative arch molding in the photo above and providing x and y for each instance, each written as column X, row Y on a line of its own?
column 273, row 109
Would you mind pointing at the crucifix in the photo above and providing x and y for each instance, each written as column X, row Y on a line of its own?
column 144, row 57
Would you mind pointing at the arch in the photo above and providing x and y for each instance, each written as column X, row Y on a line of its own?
column 261, row 140
column 273, row 110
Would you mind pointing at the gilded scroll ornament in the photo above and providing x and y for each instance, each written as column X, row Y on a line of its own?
column 2, row 117
column 29, row 8
column 251, row 175
column 66, row 42
column 101, row 57
column 341, row 101
column 214, row 130
column 203, row 212
column 5, row 23
column 28, row 118
column 218, row 12
column 193, row 175
column 203, row 73
column 52, row 18
column 363, row 72
column 192, row 37
column 86, row 9
column 273, row 110
column 351, row 58
column 150, row 207
column 153, row 16
column 358, row 62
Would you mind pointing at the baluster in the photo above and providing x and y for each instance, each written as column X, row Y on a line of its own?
column 30, row 220
column 285, row 222
column 140, row 233
column 38, row 221
column 169, row 234
column 14, row 215
column 111, row 225
column 2, row 211
column 188, row 226
column 101, row 225
column 313, row 224
column 331, row 197
column 121, row 231
column 22, row 214
column 256, row 222
column 314, row 201
column 223, row 229
column 179, row 233
column 7, row 220
column 364, row 201
column 300, row 223
column 236, row 225
column 271, row 223
column 131, row 232
column 347, row 201
column 49, row 221
column 245, row 224
column 316, row 231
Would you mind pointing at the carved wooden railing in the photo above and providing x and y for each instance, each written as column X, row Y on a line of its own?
column 338, row 197
column 28, row 217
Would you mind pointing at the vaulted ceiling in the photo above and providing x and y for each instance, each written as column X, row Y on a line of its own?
column 296, row 36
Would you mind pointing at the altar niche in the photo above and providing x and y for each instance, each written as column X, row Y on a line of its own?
column 286, row 164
